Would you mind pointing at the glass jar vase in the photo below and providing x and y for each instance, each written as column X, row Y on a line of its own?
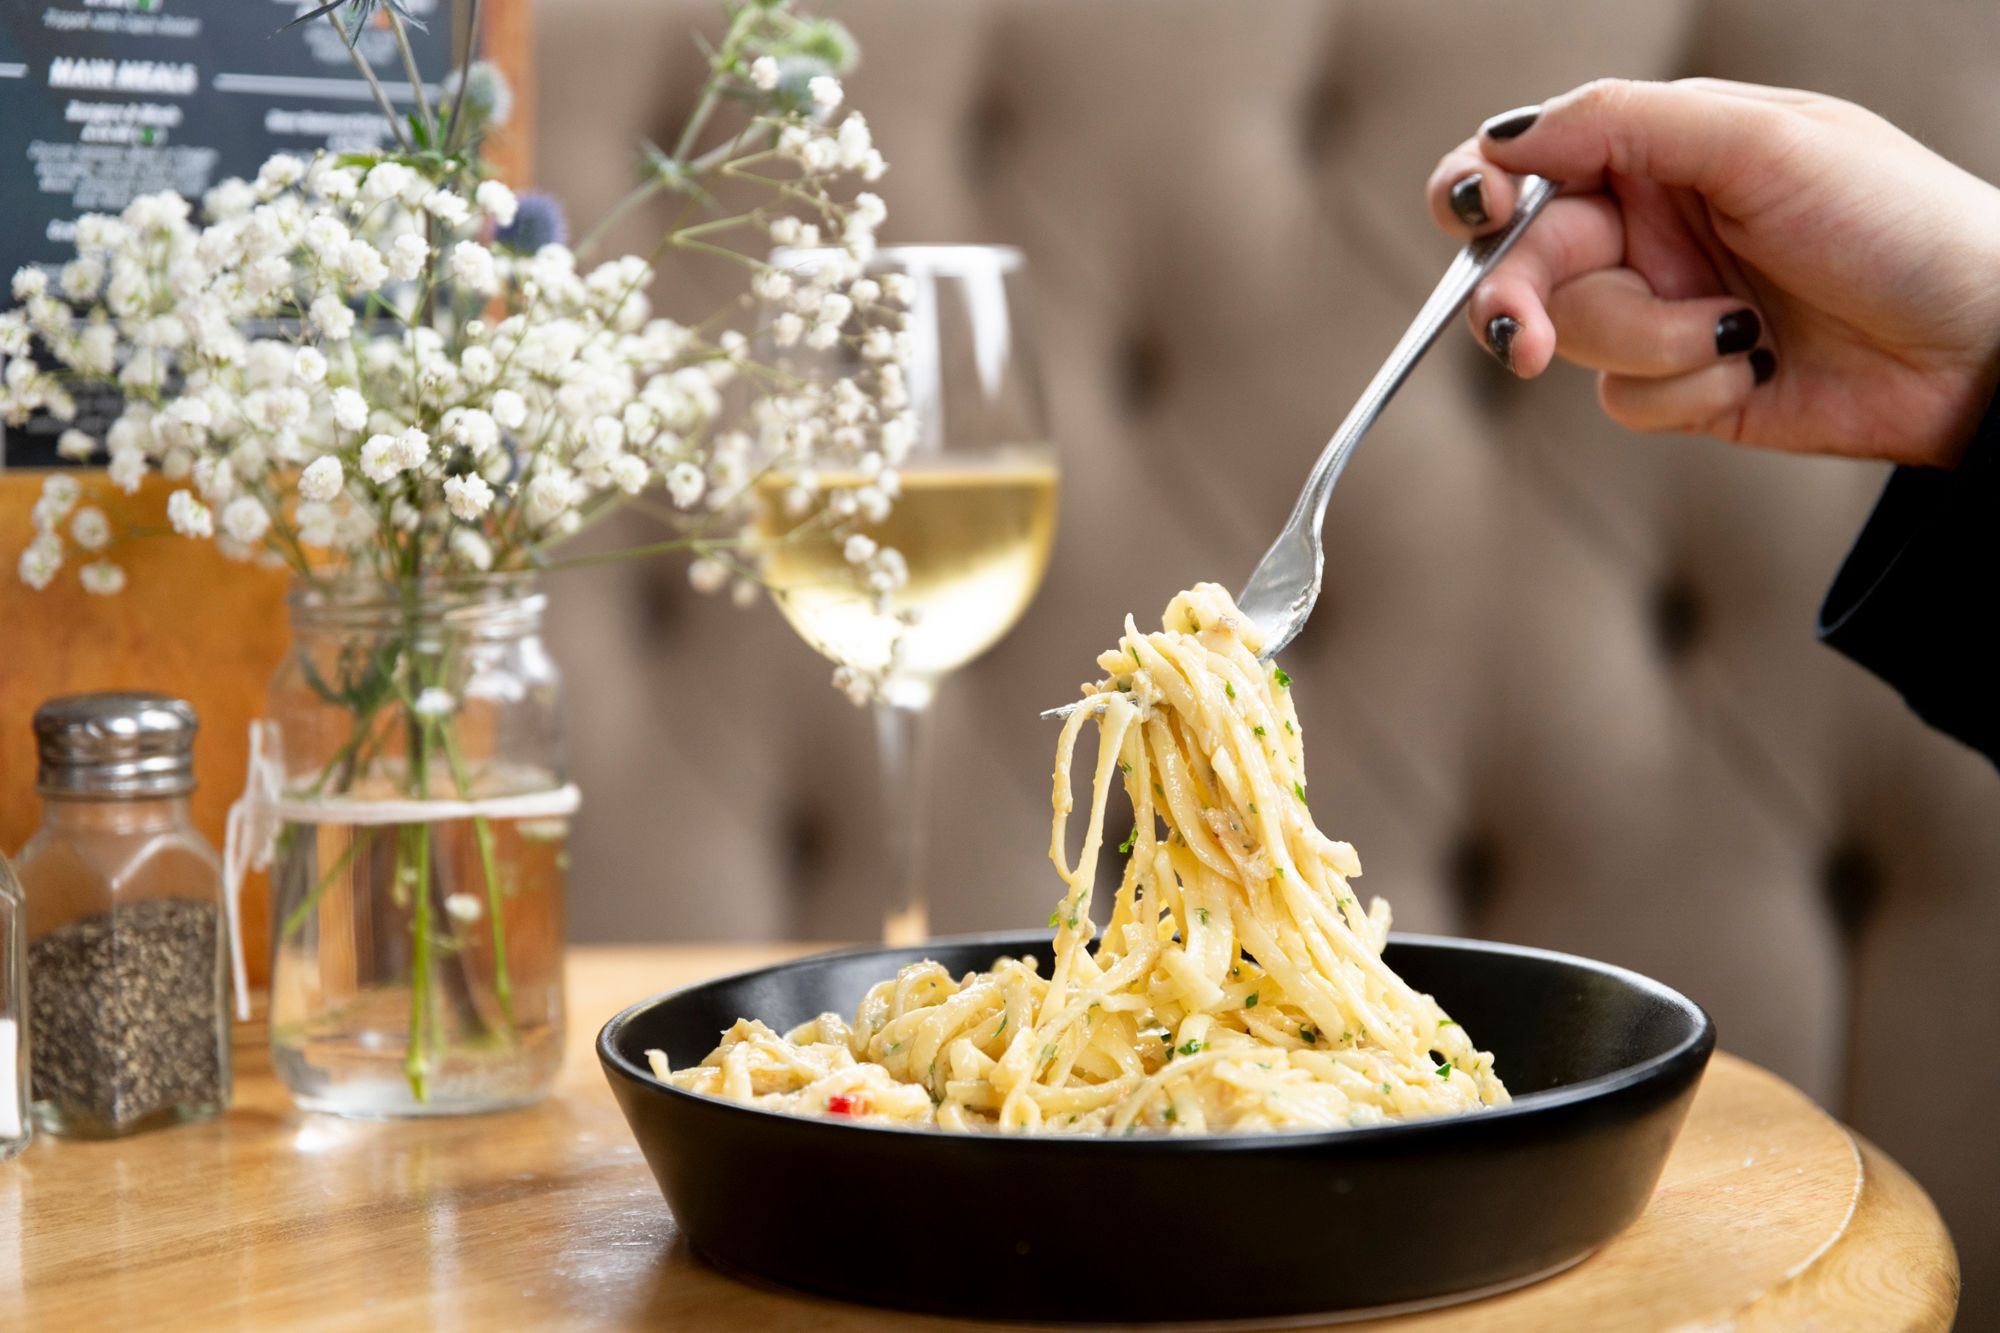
column 418, row 863
column 128, row 1017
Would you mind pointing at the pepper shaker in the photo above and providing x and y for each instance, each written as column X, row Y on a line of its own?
column 128, row 979
column 14, row 1124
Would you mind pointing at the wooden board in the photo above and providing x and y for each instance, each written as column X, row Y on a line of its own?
column 1766, row 1218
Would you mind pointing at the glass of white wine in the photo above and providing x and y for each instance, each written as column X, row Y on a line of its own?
column 974, row 522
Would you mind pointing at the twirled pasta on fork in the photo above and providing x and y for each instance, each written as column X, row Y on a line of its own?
column 1238, row 985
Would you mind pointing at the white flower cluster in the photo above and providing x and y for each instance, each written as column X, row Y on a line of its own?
column 346, row 370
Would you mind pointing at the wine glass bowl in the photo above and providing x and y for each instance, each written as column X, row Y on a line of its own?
column 973, row 517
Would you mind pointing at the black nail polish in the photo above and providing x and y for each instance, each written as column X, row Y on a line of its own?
column 1500, row 331
column 1511, row 124
column 1737, row 331
column 1468, row 200
column 1763, row 364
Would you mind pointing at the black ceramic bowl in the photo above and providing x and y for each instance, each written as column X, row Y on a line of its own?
column 1602, row 1064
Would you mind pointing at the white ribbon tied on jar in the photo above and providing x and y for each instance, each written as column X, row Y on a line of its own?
column 263, row 809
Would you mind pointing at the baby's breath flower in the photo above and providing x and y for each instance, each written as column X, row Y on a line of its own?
column 825, row 91
column 497, row 202
column 245, row 520
column 434, row 702
column 189, row 516
column 309, row 365
column 90, row 528
column 764, row 73
column 448, row 208
column 322, row 479
column 471, row 548
column 463, row 907
column 468, row 495
column 75, row 445
column 510, row 409
column 331, row 316
column 128, row 468
column 472, row 265
column 858, row 549
column 102, row 578
column 407, row 255
column 40, row 561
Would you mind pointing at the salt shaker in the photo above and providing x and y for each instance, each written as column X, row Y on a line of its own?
column 14, row 1124
column 128, row 980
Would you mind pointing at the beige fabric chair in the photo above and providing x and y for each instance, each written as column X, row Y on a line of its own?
column 1562, row 688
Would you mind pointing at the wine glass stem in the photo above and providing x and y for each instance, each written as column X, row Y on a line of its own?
column 902, row 734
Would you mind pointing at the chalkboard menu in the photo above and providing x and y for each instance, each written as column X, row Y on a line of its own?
column 102, row 100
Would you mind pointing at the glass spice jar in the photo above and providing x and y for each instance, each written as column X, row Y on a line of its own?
column 128, row 980
column 15, row 1126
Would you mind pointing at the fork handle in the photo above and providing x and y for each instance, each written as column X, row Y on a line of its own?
column 1474, row 262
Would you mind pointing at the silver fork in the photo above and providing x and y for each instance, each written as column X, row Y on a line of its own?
column 1285, row 585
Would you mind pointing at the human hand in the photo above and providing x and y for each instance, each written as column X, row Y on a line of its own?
column 1773, row 267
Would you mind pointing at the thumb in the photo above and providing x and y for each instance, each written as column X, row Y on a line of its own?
column 1691, row 134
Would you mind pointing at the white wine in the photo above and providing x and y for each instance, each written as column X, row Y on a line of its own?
column 976, row 540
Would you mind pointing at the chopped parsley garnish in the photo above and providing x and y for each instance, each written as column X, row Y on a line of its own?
column 1159, row 791
column 1253, row 807
column 1256, row 731
column 1385, row 1089
column 1003, row 1025
column 1190, row 1047
column 1250, row 1001
column 1124, row 684
column 1299, row 790
column 1229, row 689
column 1195, row 621
column 1201, row 915
column 1130, row 838
column 1278, row 674
column 1279, row 872
column 1169, row 1115
column 1447, row 1022
column 1346, row 1035
column 1288, row 728
column 1444, row 1070
column 1124, row 767
column 1055, row 918
column 1309, row 1034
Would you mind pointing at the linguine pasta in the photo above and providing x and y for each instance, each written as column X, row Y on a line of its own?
column 1239, row 984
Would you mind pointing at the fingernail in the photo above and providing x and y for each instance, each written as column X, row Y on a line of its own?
column 1500, row 331
column 1763, row 364
column 1737, row 331
column 1468, row 200
column 1511, row 124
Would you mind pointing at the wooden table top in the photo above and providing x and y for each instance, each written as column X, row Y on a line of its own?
column 1770, row 1216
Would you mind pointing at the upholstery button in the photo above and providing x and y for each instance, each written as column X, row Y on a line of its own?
column 991, row 124
column 1472, row 871
column 1677, row 618
column 1851, row 882
column 1143, row 370
column 1324, row 114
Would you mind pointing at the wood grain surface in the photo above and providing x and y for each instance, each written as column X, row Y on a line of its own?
column 1770, row 1216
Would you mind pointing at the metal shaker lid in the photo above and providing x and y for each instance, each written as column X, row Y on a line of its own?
column 116, row 743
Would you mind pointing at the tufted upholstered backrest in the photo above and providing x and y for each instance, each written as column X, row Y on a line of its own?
column 1562, row 688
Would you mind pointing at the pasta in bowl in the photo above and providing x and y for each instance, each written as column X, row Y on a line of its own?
column 1243, row 1097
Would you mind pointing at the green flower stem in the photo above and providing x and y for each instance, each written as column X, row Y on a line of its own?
column 416, row 842
column 374, row 85
column 295, row 920
column 410, row 72
column 455, row 129
column 482, row 831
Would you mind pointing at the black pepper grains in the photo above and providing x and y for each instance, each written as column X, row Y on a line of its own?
column 125, row 1014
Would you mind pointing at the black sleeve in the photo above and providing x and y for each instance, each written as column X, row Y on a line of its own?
column 1917, row 601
